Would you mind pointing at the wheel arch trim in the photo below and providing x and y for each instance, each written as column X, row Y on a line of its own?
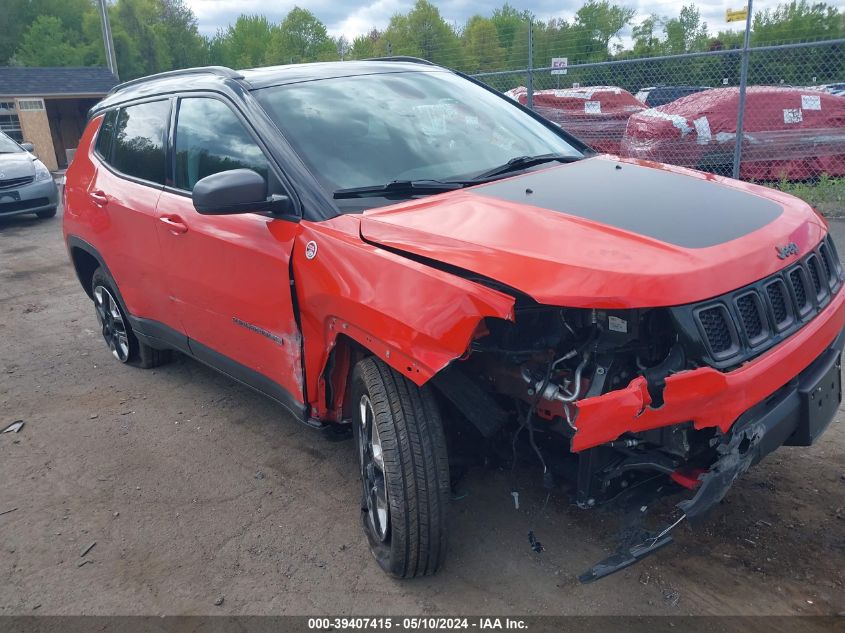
column 75, row 243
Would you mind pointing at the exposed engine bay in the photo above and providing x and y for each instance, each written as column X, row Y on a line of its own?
column 535, row 370
column 520, row 384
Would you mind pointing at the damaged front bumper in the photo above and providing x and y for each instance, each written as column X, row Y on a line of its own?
column 705, row 396
column 795, row 415
column 791, row 409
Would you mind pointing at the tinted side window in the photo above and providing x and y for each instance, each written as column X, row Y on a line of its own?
column 209, row 139
column 139, row 140
column 105, row 135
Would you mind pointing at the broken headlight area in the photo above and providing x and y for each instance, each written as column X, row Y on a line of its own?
column 519, row 386
column 520, row 383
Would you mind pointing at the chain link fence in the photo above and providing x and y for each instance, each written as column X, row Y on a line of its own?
column 785, row 126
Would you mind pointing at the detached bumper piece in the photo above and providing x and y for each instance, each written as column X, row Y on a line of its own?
column 795, row 415
column 625, row 558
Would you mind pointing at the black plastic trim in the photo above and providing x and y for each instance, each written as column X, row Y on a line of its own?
column 163, row 336
column 688, row 323
column 159, row 335
column 73, row 242
column 249, row 378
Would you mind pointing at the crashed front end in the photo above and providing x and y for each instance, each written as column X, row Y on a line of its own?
column 697, row 392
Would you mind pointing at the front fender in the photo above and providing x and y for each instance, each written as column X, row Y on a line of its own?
column 415, row 318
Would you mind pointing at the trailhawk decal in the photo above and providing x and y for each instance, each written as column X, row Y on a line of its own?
column 666, row 206
column 258, row 330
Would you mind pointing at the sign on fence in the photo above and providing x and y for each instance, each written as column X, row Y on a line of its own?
column 559, row 65
column 740, row 15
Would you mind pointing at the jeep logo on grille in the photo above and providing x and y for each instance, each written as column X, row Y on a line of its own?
column 787, row 251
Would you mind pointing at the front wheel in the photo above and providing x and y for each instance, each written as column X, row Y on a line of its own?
column 404, row 470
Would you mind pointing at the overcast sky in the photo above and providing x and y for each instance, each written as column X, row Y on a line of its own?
column 354, row 17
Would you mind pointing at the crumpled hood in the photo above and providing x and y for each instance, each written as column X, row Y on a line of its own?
column 605, row 233
column 17, row 165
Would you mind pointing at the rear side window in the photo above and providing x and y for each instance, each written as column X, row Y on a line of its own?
column 105, row 135
column 209, row 139
column 139, row 141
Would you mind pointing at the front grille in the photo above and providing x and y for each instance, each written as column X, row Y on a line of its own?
column 796, row 278
column 715, row 323
column 824, row 254
column 749, row 315
column 778, row 299
column 20, row 205
column 812, row 265
column 16, row 182
column 728, row 330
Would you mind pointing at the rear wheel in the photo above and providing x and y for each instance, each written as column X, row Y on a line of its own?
column 404, row 470
column 116, row 330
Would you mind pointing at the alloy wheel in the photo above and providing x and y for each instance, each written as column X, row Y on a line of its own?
column 112, row 323
column 372, row 472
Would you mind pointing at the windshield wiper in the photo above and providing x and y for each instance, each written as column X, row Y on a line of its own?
column 401, row 188
column 523, row 162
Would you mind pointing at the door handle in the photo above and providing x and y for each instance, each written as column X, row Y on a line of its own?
column 174, row 223
column 99, row 198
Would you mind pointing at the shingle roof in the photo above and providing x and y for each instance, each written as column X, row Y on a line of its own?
column 19, row 81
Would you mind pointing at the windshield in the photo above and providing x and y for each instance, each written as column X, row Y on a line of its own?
column 376, row 129
column 8, row 146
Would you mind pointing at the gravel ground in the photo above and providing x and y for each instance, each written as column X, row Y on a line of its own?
column 195, row 489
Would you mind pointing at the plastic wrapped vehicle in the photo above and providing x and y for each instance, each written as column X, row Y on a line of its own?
column 661, row 95
column 791, row 133
column 597, row 114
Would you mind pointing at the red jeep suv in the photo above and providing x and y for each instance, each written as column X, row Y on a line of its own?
column 392, row 249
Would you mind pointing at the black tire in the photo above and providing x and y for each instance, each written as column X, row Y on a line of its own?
column 116, row 328
column 46, row 213
column 415, row 475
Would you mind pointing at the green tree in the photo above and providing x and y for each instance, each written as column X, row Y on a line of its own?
column 422, row 32
column 646, row 36
column 244, row 44
column 482, row 50
column 596, row 23
column 46, row 43
column 797, row 21
column 17, row 17
column 508, row 22
column 141, row 46
column 366, row 46
column 301, row 37
column 686, row 33
column 179, row 25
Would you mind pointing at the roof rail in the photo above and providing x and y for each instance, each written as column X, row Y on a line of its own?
column 401, row 58
column 220, row 71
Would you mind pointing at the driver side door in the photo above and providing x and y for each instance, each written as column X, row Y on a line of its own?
column 229, row 275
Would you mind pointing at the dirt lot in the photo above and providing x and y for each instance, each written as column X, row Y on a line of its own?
column 194, row 488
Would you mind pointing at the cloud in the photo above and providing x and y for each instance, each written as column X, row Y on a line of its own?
column 363, row 18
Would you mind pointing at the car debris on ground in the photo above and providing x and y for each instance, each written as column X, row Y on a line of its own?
column 14, row 427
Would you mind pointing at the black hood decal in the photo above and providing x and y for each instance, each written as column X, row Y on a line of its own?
column 666, row 206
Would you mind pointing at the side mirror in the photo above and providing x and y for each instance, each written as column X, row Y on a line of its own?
column 29, row 147
column 237, row 191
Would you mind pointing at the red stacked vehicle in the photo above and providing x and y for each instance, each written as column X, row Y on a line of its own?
column 789, row 133
column 596, row 114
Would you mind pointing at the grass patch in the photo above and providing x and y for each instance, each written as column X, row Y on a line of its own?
column 826, row 194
